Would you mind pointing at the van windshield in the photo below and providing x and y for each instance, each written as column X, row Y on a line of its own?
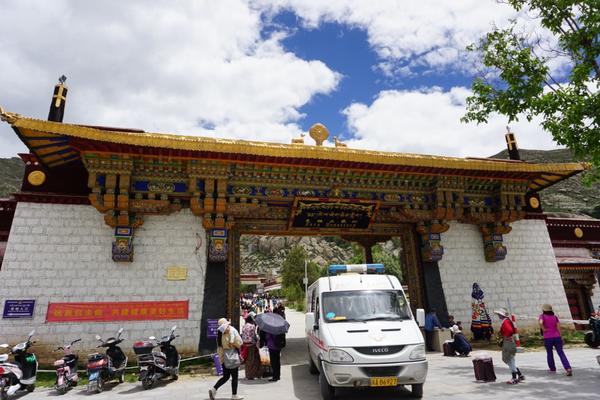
column 365, row 305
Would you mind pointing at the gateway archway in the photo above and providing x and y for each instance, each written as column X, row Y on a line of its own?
column 218, row 189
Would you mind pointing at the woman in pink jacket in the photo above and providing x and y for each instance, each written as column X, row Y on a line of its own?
column 550, row 326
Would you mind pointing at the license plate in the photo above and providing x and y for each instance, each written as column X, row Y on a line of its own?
column 388, row 381
column 93, row 376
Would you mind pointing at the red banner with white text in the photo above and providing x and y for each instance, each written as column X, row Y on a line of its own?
column 117, row 311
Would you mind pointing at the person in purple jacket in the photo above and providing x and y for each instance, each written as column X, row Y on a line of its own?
column 550, row 326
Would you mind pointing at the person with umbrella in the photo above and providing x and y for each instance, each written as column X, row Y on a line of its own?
column 272, row 334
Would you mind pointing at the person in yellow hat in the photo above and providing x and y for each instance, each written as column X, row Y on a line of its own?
column 550, row 326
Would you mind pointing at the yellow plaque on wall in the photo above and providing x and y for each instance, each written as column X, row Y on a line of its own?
column 175, row 273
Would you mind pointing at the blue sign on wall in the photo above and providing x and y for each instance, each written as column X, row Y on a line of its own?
column 18, row 309
column 211, row 328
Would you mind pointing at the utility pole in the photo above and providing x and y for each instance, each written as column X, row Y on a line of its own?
column 305, row 280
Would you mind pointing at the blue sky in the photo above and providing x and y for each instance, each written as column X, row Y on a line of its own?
column 383, row 75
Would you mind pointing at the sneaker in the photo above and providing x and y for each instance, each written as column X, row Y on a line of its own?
column 212, row 393
column 237, row 397
column 551, row 371
column 521, row 378
column 569, row 372
column 512, row 382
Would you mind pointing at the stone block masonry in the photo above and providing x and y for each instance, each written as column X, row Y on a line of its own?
column 62, row 253
column 529, row 275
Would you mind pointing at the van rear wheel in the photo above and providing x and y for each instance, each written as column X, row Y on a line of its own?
column 417, row 390
column 327, row 391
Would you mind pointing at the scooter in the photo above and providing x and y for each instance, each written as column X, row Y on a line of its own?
column 592, row 337
column 102, row 368
column 66, row 369
column 20, row 374
column 155, row 365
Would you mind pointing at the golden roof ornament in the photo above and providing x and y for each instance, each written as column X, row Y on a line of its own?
column 339, row 143
column 9, row 117
column 319, row 133
column 299, row 140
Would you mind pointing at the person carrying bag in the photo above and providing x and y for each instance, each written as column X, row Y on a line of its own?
column 229, row 342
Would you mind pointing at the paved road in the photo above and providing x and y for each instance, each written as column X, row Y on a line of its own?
column 448, row 378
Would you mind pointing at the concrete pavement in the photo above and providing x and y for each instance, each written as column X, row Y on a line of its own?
column 448, row 378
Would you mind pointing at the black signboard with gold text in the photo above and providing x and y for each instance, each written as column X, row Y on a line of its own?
column 316, row 214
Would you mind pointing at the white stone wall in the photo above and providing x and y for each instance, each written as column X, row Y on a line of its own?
column 62, row 253
column 529, row 275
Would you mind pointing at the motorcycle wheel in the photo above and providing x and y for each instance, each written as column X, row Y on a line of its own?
column 175, row 377
column 589, row 340
column 3, row 395
column 147, row 383
column 30, row 388
column 62, row 389
column 99, row 385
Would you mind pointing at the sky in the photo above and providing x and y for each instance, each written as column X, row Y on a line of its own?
column 384, row 75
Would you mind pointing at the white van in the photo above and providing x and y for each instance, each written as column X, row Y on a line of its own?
column 361, row 332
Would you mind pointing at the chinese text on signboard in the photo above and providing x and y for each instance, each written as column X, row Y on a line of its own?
column 122, row 311
column 18, row 309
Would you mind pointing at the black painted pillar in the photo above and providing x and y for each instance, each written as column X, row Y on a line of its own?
column 214, row 302
column 434, row 292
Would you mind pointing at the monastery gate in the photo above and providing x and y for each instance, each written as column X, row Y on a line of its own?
column 150, row 223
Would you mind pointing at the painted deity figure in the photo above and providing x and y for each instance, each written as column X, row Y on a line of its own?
column 481, row 323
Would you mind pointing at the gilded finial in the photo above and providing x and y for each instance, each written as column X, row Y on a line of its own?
column 319, row 133
column 62, row 79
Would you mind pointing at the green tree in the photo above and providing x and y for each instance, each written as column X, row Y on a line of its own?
column 518, row 78
column 380, row 256
column 292, row 271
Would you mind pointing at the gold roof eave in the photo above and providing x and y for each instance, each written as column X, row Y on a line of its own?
column 196, row 143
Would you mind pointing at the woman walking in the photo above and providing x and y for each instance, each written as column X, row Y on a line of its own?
column 228, row 344
column 509, row 347
column 250, row 348
column 550, row 326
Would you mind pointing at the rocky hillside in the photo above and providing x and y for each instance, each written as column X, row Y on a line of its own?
column 265, row 254
column 11, row 175
column 569, row 196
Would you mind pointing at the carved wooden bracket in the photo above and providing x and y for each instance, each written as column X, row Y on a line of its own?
column 431, row 236
column 493, row 246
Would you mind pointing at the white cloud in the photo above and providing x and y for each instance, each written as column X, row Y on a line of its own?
column 428, row 122
column 187, row 67
column 433, row 33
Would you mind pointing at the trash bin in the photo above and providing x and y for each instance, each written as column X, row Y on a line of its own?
column 449, row 348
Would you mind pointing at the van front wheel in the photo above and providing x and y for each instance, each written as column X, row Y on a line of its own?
column 312, row 368
column 417, row 391
column 327, row 391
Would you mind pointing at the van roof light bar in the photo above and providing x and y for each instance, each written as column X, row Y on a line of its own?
column 336, row 269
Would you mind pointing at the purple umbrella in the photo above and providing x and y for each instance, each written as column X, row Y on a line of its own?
column 272, row 323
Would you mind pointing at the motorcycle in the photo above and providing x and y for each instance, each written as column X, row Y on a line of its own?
column 155, row 365
column 20, row 374
column 102, row 368
column 66, row 369
column 592, row 337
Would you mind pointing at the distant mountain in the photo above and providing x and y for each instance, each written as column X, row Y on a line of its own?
column 11, row 175
column 569, row 196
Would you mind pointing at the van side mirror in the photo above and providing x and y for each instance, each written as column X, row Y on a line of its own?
column 421, row 317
